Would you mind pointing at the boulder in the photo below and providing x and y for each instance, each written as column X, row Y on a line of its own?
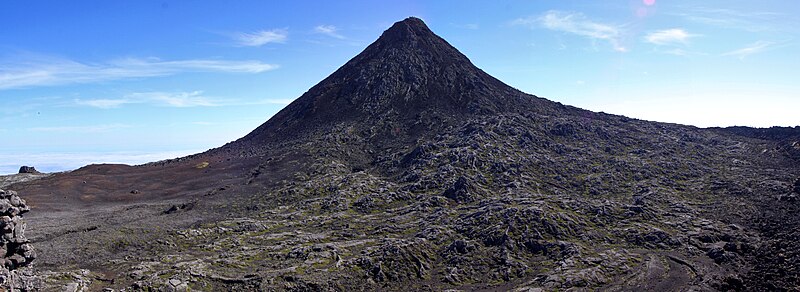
column 460, row 191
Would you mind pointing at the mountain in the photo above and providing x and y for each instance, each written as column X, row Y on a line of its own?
column 406, row 82
column 408, row 71
column 411, row 169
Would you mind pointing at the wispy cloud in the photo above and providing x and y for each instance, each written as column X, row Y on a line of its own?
column 750, row 49
column 578, row 24
column 681, row 52
column 168, row 99
column 103, row 103
column 328, row 30
column 180, row 99
column 669, row 37
column 260, row 38
column 80, row 129
column 156, row 66
column 752, row 21
column 48, row 71
column 174, row 99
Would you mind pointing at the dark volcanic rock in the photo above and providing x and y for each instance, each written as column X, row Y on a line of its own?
column 797, row 186
column 15, row 249
column 461, row 191
column 28, row 169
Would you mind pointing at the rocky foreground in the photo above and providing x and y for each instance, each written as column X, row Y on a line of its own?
column 411, row 169
column 16, row 252
column 7, row 180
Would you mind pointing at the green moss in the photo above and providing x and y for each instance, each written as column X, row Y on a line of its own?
column 321, row 264
column 166, row 275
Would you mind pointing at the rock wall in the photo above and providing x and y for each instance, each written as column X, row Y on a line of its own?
column 15, row 249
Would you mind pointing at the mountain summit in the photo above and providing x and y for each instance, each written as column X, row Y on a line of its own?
column 408, row 74
column 411, row 169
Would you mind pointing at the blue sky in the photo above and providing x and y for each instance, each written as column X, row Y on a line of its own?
column 135, row 81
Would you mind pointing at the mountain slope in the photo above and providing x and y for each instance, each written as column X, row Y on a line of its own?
column 410, row 168
column 405, row 73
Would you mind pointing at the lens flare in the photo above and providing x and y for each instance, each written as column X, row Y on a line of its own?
column 641, row 12
column 649, row 2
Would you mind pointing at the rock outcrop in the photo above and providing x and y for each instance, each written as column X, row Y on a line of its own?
column 15, row 249
column 28, row 169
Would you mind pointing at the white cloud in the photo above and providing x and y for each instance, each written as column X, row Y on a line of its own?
column 174, row 99
column 260, row 38
column 103, row 103
column 168, row 99
column 164, row 67
column 709, row 105
column 328, row 30
column 180, row 99
column 47, row 71
column 578, row 24
column 751, row 21
column 681, row 52
column 750, row 49
column 669, row 37
column 80, row 129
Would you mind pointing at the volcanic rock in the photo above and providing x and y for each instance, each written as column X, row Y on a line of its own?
column 461, row 191
column 28, row 169
column 15, row 248
column 797, row 186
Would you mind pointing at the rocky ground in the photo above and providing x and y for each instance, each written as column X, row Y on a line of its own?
column 6, row 180
column 16, row 252
column 480, row 208
column 485, row 188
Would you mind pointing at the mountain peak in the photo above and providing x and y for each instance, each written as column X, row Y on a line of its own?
column 409, row 28
column 413, row 21
column 409, row 43
column 408, row 73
